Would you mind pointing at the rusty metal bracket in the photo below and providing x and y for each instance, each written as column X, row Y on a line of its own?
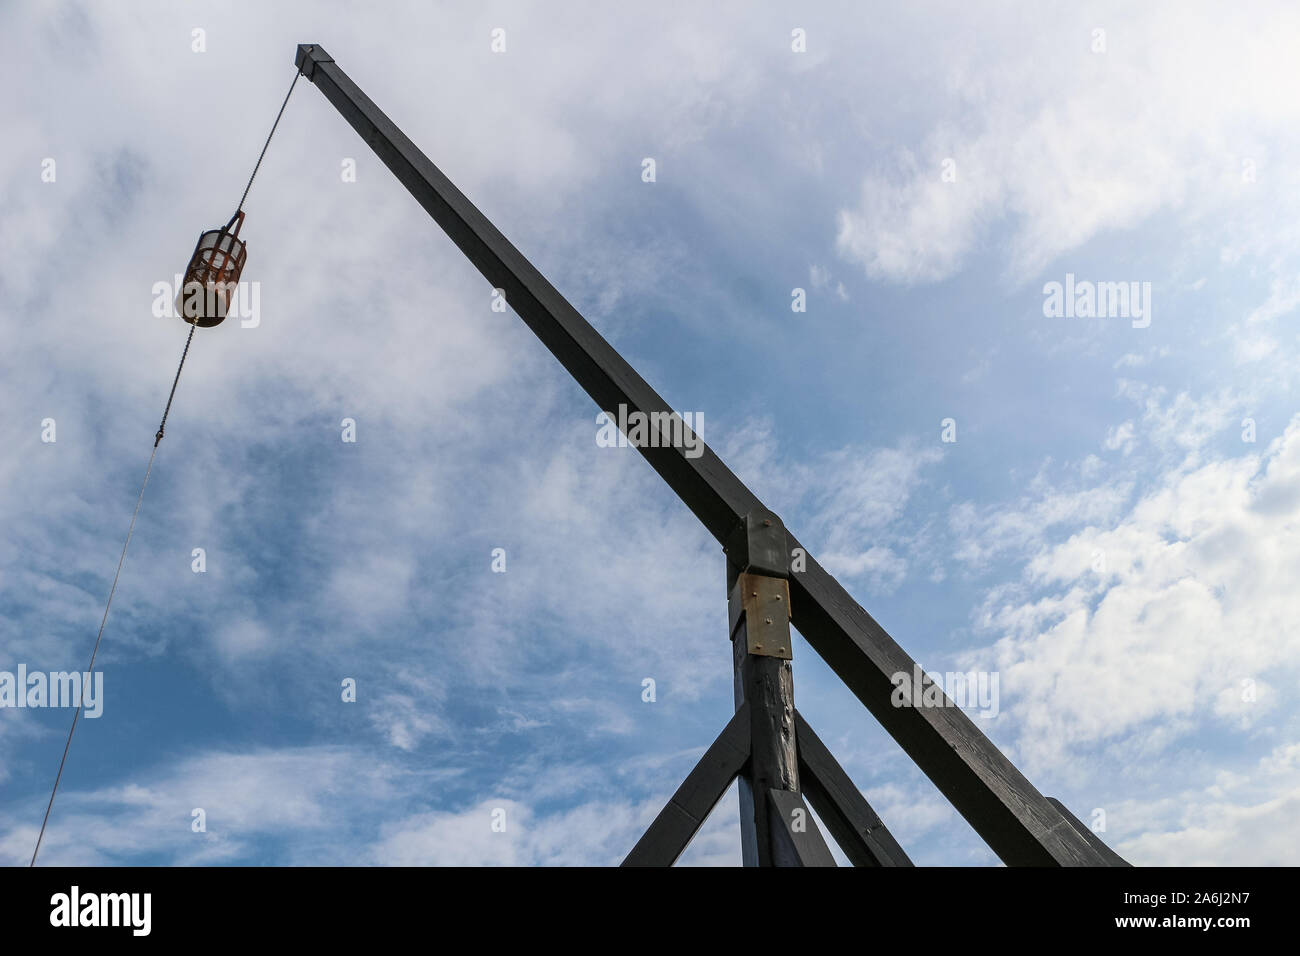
column 763, row 604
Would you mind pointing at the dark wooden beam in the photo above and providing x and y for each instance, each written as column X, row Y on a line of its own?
column 797, row 840
column 705, row 484
column 995, row 798
column 680, row 819
column 764, row 689
column 985, row 787
column 758, row 615
column 854, row 825
column 1114, row 858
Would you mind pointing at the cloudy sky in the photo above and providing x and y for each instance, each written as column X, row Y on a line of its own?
column 1113, row 532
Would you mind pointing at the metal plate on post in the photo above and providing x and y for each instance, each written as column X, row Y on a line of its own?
column 764, row 605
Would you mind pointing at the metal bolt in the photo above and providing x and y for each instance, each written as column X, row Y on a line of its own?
column 768, row 620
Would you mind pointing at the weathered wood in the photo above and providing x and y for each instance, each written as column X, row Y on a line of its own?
column 680, row 819
column 856, row 827
column 765, row 686
column 797, row 841
column 1087, row 833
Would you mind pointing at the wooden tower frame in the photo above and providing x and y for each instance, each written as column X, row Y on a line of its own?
column 767, row 744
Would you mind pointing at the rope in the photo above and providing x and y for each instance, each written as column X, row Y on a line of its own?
column 131, row 529
column 112, row 591
column 257, row 165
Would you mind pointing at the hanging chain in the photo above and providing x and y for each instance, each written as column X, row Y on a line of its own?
column 258, row 164
column 131, row 528
column 166, row 411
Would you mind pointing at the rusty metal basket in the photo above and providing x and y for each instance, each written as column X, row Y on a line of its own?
column 212, row 275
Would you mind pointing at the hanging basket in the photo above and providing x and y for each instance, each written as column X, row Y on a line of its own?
column 212, row 275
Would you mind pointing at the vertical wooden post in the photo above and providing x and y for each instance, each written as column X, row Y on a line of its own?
column 758, row 606
column 767, row 685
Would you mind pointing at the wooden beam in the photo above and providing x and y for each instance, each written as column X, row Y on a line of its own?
column 680, row 819
column 854, row 825
column 764, row 689
column 1088, row 834
column 1020, row 825
column 794, row 831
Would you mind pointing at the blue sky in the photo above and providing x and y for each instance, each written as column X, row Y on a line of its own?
column 1157, row 684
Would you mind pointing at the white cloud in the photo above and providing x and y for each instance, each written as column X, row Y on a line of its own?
column 992, row 534
column 1237, row 821
column 242, row 638
column 292, row 793
column 1120, row 438
column 597, row 833
column 1192, row 599
column 1052, row 139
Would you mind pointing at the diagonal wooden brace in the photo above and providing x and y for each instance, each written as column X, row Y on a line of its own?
column 678, row 822
column 856, row 827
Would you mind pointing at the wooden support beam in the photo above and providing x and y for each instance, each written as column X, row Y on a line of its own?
column 1020, row 825
column 758, row 609
column 1114, row 858
column 764, row 688
column 795, row 836
column 680, row 819
column 854, row 825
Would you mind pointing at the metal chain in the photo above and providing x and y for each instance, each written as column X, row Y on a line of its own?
column 166, row 411
column 257, row 165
